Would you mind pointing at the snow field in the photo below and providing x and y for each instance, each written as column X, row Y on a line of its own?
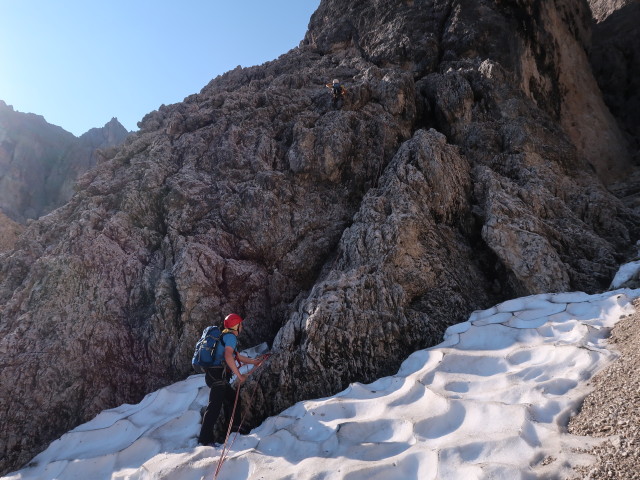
column 491, row 401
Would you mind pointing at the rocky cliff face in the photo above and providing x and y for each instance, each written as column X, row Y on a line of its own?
column 459, row 170
column 40, row 162
column 615, row 56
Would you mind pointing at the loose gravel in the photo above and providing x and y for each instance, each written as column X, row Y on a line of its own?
column 612, row 410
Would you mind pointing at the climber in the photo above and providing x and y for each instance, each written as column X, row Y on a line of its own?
column 216, row 378
column 337, row 89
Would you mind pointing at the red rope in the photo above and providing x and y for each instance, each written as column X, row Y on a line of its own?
column 244, row 414
column 225, row 448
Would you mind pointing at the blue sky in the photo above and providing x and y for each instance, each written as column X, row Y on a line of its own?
column 80, row 63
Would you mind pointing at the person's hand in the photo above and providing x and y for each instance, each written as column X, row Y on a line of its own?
column 263, row 358
column 242, row 378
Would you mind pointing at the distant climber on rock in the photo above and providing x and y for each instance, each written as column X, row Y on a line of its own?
column 337, row 90
column 217, row 378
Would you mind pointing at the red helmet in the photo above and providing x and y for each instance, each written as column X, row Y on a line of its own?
column 232, row 320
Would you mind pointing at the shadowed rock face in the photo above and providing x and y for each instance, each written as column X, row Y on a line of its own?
column 455, row 173
column 40, row 162
column 615, row 57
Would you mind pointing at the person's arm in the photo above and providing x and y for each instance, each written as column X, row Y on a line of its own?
column 231, row 363
column 252, row 361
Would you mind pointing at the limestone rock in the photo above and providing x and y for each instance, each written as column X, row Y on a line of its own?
column 404, row 272
column 615, row 57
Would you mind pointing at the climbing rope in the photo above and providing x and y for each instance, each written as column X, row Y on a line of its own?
column 226, row 448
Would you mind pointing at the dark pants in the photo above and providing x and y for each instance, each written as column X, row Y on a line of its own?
column 221, row 393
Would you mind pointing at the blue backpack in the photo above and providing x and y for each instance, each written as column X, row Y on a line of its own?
column 205, row 352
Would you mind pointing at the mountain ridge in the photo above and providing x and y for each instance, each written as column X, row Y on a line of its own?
column 40, row 162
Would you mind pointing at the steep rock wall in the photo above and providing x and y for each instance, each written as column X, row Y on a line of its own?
column 615, row 57
column 347, row 234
